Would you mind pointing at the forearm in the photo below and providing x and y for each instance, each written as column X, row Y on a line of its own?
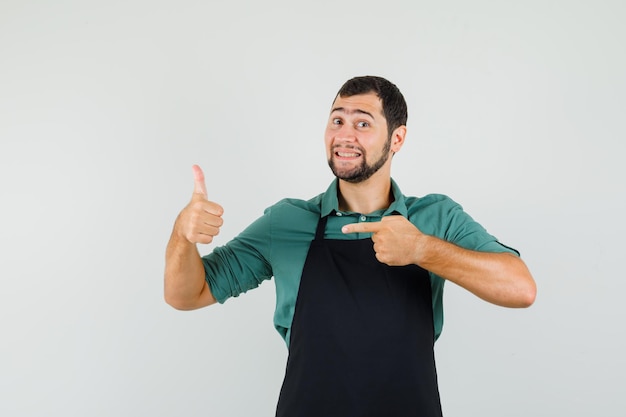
column 499, row 278
column 185, row 284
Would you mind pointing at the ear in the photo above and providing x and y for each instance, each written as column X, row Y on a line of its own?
column 397, row 138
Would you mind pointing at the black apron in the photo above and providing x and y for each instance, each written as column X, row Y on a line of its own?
column 362, row 337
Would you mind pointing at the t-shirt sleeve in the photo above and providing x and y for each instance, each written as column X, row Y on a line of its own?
column 464, row 231
column 241, row 264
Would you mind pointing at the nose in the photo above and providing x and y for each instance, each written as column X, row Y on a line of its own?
column 347, row 133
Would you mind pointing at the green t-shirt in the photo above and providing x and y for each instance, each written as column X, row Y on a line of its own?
column 277, row 243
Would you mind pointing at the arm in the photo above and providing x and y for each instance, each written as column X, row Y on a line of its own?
column 185, row 284
column 499, row 278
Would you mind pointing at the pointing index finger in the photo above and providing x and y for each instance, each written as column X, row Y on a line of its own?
column 370, row 227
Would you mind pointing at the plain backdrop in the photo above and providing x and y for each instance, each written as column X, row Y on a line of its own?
column 516, row 110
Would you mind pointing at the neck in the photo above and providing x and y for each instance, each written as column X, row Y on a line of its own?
column 365, row 197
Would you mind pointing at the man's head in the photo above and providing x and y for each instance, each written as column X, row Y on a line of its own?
column 393, row 103
column 366, row 126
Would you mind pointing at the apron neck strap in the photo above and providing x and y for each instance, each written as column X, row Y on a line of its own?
column 321, row 227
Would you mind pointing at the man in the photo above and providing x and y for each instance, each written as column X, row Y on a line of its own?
column 359, row 269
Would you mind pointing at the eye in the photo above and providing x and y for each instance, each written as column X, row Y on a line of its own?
column 336, row 121
column 363, row 124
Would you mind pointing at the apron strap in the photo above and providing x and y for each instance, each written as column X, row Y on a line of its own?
column 321, row 228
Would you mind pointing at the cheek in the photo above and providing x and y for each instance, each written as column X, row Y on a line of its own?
column 328, row 141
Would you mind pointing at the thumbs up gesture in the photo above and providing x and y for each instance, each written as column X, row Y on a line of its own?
column 201, row 219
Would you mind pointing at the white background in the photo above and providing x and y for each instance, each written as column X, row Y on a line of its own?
column 516, row 110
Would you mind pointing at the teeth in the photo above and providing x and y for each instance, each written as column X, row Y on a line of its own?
column 347, row 155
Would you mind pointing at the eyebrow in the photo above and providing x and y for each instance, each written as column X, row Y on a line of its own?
column 343, row 110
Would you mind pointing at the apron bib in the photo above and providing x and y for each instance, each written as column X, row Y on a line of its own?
column 362, row 337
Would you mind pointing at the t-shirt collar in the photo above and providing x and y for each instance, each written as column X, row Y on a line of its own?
column 330, row 203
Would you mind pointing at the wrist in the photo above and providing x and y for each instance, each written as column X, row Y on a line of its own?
column 425, row 249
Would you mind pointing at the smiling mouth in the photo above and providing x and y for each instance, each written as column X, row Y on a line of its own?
column 347, row 154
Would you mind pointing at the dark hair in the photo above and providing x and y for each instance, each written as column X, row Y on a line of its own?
column 394, row 105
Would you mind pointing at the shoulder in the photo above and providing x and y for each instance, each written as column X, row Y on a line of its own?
column 437, row 200
column 295, row 206
column 292, row 218
column 436, row 214
column 431, row 205
column 426, row 202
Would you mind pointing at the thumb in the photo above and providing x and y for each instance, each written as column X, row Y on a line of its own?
column 199, row 187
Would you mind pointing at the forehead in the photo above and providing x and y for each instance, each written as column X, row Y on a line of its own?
column 369, row 103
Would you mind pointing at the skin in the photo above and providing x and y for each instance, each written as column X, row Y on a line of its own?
column 198, row 222
column 356, row 133
column 356, row 139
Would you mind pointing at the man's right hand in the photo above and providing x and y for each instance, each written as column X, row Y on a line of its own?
column 185, row 285
column 201, row 219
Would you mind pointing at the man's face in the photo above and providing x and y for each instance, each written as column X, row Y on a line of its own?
column 357, row 141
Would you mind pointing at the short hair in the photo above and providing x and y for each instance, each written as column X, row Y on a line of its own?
column 394, row 105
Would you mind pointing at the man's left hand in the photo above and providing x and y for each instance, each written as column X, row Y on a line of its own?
column 396, row 240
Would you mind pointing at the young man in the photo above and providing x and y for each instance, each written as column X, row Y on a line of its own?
column 359, row 269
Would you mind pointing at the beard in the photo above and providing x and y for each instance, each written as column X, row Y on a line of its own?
column 362, row 171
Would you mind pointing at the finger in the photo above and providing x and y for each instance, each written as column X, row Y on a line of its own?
column 371, row 227
column 208, row 230
column 214, row 218
column 199, row 187
column 200, row 237
column 202, row 210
